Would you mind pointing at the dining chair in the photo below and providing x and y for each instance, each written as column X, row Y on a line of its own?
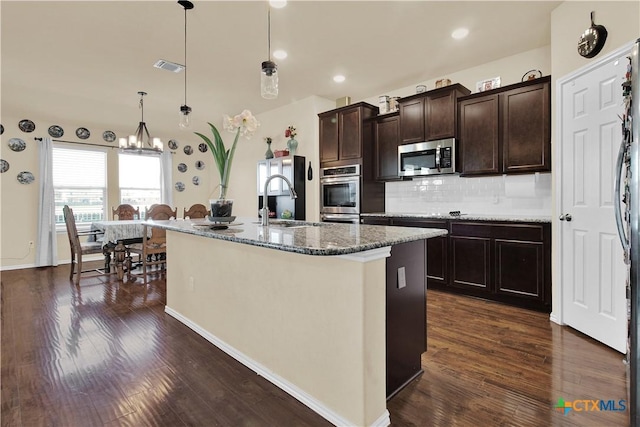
column 153, row 250
column 125, row 212
column 78, row 248
column 197, row 210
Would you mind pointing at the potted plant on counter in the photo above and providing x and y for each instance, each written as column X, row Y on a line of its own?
column 243, row 124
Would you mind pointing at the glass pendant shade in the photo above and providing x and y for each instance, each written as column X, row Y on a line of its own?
column 269, row 80
column 185, row 117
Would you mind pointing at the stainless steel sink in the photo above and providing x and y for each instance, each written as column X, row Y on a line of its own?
column 290, row 223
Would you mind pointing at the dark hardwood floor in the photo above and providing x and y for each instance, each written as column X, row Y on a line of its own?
column 106, row 354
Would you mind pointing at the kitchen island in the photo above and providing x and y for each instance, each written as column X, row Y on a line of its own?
column 301, row 304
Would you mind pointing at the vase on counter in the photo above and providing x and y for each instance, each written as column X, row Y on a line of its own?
column 269, row 153
column 220, row 208
column 292, row 145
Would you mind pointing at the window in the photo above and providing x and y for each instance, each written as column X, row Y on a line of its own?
column 79, row 180
column 140, row 180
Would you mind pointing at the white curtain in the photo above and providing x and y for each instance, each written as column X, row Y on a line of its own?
column 46, row 243
column 166, row 189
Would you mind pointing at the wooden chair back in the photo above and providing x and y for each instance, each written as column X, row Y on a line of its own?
column 197, row 210
column 72, row 231
column 125, row 212
column 79, row 248
column 161, row 212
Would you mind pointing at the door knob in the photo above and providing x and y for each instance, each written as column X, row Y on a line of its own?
column 561, row 217
column 567, row 217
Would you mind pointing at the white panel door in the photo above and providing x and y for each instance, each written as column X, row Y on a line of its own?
column 593, row 271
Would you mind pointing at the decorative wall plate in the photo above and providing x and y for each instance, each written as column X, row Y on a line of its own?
column 203, row 147
column 26, row 125
column 188, row 150
column 196, row 180
column 17, row 144
column 199, row 165
column 182, row 167
column 1, row 129
column 56, row 131
column 83, row 133
column 4, row 166
column 179, row 186
column 25, row 177
column 173, row 144
column 108, row 136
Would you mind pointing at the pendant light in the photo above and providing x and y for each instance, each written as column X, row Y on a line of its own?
column 269, row 74
column 136, row 144
column 185, row 110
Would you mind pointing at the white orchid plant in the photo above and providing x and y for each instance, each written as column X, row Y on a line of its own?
column 243, row 124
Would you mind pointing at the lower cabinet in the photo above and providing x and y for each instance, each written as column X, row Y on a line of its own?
column 508, row 262
column 406, row 311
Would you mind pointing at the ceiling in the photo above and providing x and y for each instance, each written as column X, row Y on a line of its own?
column 71, row 59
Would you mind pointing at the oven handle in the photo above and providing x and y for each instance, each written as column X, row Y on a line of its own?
column 337, row 180
column 341, row 218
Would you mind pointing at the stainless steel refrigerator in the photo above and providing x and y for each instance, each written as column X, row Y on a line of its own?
column 627, row 188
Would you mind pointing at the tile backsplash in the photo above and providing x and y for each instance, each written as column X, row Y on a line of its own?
column 528, row 194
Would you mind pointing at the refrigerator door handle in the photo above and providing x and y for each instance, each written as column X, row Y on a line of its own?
column 624, row 239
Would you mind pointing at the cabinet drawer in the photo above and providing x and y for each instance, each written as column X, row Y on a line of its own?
column 528, row 232
column 471, row 229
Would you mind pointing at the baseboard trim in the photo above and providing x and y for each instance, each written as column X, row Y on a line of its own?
column 383, row 421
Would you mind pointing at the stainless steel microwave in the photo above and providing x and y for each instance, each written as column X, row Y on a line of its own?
column 427, row 158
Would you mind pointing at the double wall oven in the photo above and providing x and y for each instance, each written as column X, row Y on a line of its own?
column 340, row 193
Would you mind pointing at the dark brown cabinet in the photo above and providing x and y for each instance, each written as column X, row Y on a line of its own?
column 430, row 115
column 508, row 262
column 506, row 130
column 437, row 249
column 386, row 141
column 343, row 134
column 406, row 313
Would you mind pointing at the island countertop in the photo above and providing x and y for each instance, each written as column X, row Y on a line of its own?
column 309, row 238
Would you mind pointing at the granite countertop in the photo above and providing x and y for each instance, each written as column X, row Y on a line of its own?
column 303, row 237
column 463, row 217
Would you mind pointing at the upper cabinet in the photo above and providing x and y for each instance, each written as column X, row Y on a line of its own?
column 386, row 140
column 343, row 134
column 430, row 115
column 507, row 130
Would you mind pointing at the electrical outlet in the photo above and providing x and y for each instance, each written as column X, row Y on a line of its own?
column 30, row 243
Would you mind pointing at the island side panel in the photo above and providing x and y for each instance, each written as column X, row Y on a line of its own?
column 315, row 321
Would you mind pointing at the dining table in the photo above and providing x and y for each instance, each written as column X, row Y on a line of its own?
column 119, row 234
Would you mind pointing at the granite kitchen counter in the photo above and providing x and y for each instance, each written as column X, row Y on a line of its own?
column 463, row 217
column 307, row 238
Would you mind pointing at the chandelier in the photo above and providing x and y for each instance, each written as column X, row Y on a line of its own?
column 141, row 142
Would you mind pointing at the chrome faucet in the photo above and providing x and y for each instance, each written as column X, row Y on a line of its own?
column 265, row 197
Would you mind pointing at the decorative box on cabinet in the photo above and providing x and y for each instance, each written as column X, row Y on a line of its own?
column 507, row 130
column 343, row 135
column 386, row 140
column 430, row 115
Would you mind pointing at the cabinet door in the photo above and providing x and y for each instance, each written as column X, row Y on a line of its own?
column 437, row 249
column 520, row 268
column 440, row 117
column 387, row 139
column 471, row 256
column 412, row 121
column 479, row 136
column 329, row 137
column 350, row 134
column 526, row 129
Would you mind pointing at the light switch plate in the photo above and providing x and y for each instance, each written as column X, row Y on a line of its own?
column 402, row 280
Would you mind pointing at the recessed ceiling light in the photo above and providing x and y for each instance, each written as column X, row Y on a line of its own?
column 339, row 78
column 278, row 4
column 279, row 54
column 460, row 33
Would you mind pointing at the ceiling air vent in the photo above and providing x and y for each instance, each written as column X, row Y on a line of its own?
column 169, row 66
